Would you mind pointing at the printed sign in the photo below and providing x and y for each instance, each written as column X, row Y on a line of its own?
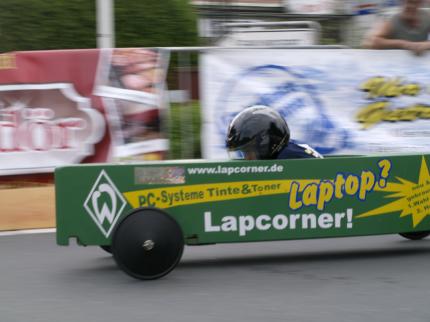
column 60, row 107
column 317, row 7
column 46, row 125
column 339, row 101
column 252, row 200
column 48, row 116
column 104, row 203
column 269, row 37
column 132, row 84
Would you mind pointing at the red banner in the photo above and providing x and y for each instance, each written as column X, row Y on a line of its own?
column 73, row 106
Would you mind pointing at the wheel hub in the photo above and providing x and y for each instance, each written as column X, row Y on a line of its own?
column 148, row 245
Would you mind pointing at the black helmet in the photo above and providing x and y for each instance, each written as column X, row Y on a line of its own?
column 257, row 132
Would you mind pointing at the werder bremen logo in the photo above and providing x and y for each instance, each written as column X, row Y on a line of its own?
column 104, row 203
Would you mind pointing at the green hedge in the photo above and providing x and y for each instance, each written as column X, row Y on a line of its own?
column 184, row 128
column 41, row 24
column 155, row 23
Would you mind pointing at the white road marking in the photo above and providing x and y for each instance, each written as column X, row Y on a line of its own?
column 27, row 232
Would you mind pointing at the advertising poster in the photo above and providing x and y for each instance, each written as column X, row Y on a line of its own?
column 70, row 106
column 132, row 83
column 48, row 115
column 339, row 101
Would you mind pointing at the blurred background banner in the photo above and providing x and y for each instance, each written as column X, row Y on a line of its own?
column 70, row 106
column 313, row 6
column 132, row 84
column 340, row 101
column 48, row 115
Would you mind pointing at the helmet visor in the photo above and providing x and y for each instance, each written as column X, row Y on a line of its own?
column 244, row 152
column 242, row 155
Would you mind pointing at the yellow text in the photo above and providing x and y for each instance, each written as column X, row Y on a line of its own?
column 379, row 112
column 383, row 87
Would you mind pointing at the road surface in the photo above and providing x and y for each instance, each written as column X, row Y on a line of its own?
column 378, row 278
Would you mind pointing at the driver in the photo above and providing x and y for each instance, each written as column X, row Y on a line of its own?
column 261, row 133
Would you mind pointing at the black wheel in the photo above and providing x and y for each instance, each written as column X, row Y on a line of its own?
column 416, row 235
column 107, row 248
column 147, row 244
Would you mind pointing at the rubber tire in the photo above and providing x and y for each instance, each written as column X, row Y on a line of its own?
column 415, row 235
column 106, row 248
column 147, row 224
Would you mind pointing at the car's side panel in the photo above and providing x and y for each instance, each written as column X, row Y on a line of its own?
column 239, row 201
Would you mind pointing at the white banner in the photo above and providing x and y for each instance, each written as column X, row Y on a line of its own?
column 318, row 7
column 339, row 101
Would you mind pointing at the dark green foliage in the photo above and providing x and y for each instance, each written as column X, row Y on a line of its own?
column 155, row 23
column 184, row 131
column 42, row 24
column 331, row 31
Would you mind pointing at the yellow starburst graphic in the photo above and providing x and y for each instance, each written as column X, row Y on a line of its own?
column 413, row 199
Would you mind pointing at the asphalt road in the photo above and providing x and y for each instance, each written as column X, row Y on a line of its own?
column 375, row 279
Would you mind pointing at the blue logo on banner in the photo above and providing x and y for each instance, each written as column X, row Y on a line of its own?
column 290, row 93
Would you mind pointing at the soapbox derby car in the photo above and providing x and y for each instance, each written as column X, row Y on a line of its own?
column 145, row 213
